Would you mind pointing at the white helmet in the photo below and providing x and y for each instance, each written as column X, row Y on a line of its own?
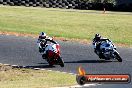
column 42, row 35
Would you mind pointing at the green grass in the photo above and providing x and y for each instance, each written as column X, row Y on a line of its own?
column 28, row 78
column 62, row 23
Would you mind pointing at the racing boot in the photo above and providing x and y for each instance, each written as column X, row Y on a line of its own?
column 100, row 55
column 40, row 50
column 44, row 56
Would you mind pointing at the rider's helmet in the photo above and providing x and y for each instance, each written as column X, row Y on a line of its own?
column 42, row 35
column 97, row 37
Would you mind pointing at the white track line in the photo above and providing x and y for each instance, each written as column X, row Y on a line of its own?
column 79, row 86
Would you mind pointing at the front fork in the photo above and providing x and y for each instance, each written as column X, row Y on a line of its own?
column 114, row 51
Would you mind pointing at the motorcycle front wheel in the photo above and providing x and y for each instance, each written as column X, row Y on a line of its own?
column 50, row 63
column 118, row 57
column 60, row 61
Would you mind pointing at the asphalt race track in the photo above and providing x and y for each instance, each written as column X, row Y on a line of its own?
column 23, row 51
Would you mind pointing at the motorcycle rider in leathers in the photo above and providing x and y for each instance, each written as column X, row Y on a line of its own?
column 42, row 41
column 97, row 42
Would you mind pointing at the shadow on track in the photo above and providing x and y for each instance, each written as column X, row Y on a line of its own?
column 90, row 61
column 36, row 66
column 40, row 66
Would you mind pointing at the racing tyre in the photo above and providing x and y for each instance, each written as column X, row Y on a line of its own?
column 50, row 63
column 118, row 57
column 61, row 62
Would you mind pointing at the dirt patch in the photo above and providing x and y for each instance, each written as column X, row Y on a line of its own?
column 18, row 34
column 5, row 67
column 82, row 41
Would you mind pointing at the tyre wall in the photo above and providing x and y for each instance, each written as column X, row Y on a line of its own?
column 67, row 4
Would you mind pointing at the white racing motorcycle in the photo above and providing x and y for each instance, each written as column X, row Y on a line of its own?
column 109, row 51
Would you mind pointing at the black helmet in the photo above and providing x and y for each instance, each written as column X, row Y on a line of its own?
column 97, row 36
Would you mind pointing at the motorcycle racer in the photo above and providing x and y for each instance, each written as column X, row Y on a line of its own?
column 42, row 41
column 97, row 42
